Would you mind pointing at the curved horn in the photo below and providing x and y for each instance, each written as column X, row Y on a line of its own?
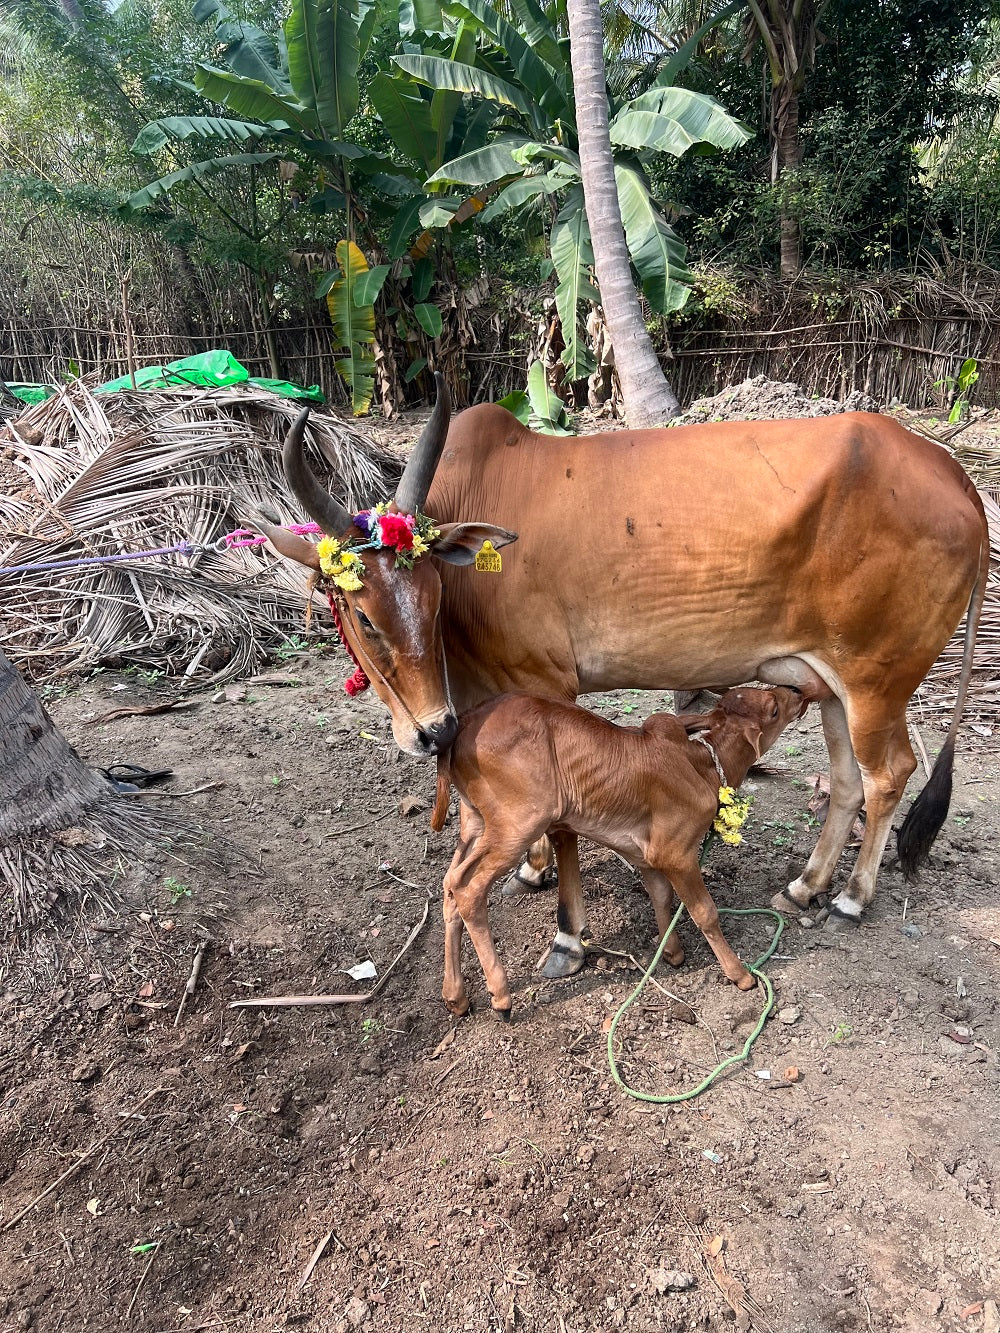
column 419, row 472
column 319, row 504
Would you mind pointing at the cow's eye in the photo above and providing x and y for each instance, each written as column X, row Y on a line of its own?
column 364, row 622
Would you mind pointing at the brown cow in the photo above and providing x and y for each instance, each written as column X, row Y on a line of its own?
column 836, row 554
column 525, row 766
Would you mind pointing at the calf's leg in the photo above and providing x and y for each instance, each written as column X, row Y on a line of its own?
column 661, row 895
column 683, row 872
column 566, row 956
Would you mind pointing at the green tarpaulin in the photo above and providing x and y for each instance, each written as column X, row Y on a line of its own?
column 209, row 370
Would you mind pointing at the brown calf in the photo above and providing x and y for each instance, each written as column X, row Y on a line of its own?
column 525, row 766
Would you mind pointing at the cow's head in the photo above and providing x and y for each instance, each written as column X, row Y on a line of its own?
column 392, row 620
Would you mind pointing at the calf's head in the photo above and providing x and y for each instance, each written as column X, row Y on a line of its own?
column 386, row 584
column 745, row 723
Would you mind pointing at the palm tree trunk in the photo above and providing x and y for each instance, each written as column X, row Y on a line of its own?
column 66, row 834
column 649, row 399
column 788, row 145
column 44, row 784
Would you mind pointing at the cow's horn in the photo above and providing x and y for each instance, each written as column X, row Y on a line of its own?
column 319, row 504
column 419, row 473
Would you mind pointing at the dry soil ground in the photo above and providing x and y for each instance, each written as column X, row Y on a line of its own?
column 473, row 1176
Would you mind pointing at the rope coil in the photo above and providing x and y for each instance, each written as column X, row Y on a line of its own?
column 672, row 1098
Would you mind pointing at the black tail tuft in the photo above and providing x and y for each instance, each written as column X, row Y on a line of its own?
column 926, row 815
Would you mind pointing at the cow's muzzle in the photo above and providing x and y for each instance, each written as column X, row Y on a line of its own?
column 437, row 736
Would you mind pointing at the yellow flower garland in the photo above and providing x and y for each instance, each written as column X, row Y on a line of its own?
column 731, row 816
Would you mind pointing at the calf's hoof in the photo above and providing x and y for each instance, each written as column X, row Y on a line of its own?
column 561, row 962
column 458, row 1008
column 746, row 982
column 503, row 1014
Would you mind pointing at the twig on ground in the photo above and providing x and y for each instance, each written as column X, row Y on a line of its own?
column 442, row 1076
column 314, row 1259
column 919, row 743
column 145, row 1274
column 195, row 791
column 142, row 710
column 339, row 832
column 192, row 980
column 291, row 1001
column 84, row 1157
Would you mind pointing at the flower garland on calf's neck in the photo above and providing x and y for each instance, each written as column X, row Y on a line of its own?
column 409, row 535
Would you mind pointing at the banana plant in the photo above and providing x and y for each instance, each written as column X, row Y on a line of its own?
column 290, row 97
column 523, row 74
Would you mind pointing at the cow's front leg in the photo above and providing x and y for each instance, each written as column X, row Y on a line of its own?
column 532, row 874
column 566, row 957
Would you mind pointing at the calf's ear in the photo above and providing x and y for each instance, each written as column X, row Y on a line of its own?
column 460, row 543
column 753, row 734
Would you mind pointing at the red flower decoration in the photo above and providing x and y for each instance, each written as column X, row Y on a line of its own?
column 396, row 532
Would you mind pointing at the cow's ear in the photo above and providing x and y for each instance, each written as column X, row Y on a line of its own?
column 460, row 543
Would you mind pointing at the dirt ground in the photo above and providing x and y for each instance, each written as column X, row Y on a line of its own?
column 383, row 1167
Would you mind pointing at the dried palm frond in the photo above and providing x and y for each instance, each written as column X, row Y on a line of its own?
column 113, row 474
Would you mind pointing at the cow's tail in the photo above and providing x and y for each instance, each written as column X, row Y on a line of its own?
column 440, row 813
column 928, row 812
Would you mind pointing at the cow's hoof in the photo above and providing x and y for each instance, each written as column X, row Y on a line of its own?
column 840, row 922
column 457, row 1008
column 561, row 962
column 781, row 902
column 503, row 1015
column 518, row 884
column 747, row 982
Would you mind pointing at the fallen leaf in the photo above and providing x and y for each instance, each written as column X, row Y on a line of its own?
column 444, row 1043
column 975, row 1308
column 715, row 1246
column 431, row 1244
column 145, row 990
column 792, row 1074
column 608, row 1020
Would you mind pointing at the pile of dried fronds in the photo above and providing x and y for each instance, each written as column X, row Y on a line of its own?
column 85, row 475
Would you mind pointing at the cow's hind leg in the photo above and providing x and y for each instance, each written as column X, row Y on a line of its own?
column 886, row 761
column 846, row 794
column 566, row 956
column 533, row 873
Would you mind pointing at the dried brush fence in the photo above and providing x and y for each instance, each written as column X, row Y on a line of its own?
column 84, row 475
column 899, row 337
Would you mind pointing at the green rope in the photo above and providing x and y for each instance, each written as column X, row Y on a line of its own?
column 668, row 1098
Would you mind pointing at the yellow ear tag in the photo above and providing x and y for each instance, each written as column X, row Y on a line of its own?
column 488, row 560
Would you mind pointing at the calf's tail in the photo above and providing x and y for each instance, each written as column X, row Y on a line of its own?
column 928, row 812
column 440, row 813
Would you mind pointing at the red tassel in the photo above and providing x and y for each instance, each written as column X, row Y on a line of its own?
column 359, row 682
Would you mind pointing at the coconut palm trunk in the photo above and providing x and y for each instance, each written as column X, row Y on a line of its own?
column 65, row 832
column 44, row 784
column 649, row 399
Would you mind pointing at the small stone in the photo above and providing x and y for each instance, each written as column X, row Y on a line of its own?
column 219, row 697
column 561, row 1201
column 25, row 1318
column 585, row 1154
column 669, row 1279
column 100, row 1001
column 357, row 1312
column 84, row 1072
column 790, row 1014
column 911, row 930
